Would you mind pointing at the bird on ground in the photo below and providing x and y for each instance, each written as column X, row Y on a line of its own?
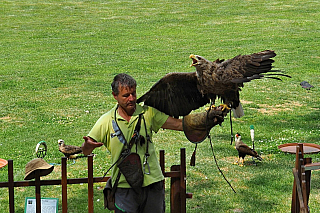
column 177, row 94
column 306, row 85
column 69, row 151
column 243, row 150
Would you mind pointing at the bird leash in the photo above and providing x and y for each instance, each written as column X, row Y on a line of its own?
column 192, row 161
column 214, row 156
column 231, row 130
column 218, row 165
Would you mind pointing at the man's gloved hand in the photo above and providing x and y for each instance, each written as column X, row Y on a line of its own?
column 197, row 126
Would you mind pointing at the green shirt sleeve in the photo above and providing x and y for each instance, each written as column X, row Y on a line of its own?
column 155, row 118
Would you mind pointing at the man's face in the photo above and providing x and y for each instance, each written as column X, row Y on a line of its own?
column 127, row 99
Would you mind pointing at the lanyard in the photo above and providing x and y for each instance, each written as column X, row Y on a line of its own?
column 134, row 140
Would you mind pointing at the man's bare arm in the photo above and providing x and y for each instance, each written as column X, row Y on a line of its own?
column 173, row 124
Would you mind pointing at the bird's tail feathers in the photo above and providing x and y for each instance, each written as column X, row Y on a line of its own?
column 238, row 112
column 255, row 154
column 259, row 158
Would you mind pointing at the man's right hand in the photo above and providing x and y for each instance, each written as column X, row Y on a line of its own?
column 89, row 145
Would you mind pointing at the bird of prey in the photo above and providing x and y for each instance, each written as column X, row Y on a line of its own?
column 243, row 150
column 69, row 151
column 177, row 94
column 306, row 85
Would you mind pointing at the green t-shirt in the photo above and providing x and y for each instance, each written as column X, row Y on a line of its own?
column 103, row 129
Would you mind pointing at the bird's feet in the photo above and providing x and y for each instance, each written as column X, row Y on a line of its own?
column 211, row 107
column 224, row 106
column 221, row 107
column 241, row 162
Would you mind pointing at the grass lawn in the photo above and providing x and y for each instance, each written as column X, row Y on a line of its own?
column 58, row 58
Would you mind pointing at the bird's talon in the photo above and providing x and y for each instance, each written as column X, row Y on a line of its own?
column 209, row 108
column 224, row 106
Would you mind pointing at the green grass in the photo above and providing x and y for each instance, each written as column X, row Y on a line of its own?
column 58, row 59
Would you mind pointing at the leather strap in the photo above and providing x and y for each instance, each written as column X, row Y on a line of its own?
column 118, row 133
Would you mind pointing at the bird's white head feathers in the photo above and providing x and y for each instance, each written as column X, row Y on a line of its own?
column 238, row 137
column 60, row 142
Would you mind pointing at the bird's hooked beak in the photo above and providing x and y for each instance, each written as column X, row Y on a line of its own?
column 194, row 60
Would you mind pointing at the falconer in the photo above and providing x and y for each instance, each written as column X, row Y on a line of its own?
column 125, row 117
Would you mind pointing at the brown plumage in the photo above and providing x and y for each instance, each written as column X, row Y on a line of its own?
column 69, row 151
column 243, row 150
column 177, row 94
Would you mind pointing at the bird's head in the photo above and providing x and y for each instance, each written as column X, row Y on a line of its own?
column 197, row 60
column 60, row 142
column 201, row 64
column 238, row 137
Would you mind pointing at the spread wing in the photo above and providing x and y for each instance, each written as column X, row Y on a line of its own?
column 224, row 78
column 244, row 68
column 176, row 94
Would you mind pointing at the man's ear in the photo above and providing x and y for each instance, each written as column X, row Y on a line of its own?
column 114, row 95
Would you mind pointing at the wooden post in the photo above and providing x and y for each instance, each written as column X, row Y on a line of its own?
column 178, row 186
column 299, row 192
column 11, row 186
column 64, row 184
column 308, row 177
column 304, row 188
column 38, row 194
column 295, row 206
column 183, row 180
column 90, row 183
column 175, row 199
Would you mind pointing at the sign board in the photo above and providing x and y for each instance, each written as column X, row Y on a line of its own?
column 48, row 205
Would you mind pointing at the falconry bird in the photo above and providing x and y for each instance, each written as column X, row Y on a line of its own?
column 69, row 151
column 243, row 150
column 177, row 94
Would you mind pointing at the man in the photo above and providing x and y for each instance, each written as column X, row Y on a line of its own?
column 126, row 116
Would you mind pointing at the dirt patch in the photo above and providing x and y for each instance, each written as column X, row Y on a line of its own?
column 6, row 118
column 246, row 102
column 275, row 109
column 10, row 119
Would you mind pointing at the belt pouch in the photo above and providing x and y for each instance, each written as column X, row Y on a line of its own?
column 108, row 194
column 131, row 168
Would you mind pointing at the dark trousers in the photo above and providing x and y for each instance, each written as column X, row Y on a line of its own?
column 151, row 199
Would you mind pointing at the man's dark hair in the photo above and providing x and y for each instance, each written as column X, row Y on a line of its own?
column 123, row 80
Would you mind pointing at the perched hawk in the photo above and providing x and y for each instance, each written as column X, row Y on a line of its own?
column 243, row 150
column 177, row 94
column 69, row 151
